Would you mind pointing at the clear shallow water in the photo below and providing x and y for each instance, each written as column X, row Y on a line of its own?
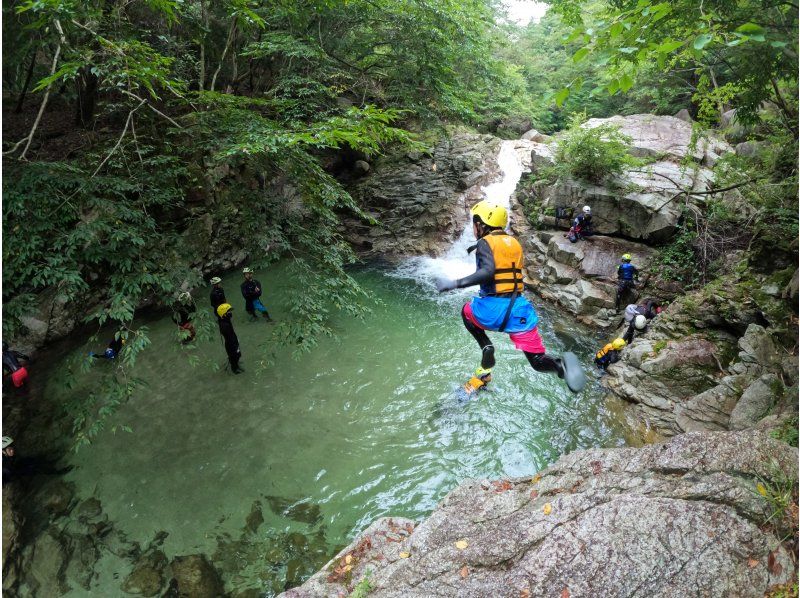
column 271, row 471
column 368, row 424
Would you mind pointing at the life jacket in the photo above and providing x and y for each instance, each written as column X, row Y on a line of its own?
column 626, row 271
column 604, row 351
column 508, row 262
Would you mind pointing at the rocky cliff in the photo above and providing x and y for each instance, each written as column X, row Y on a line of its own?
column 631, row 213
column 693, row 517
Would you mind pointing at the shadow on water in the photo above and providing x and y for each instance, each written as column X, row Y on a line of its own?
column 271, row 472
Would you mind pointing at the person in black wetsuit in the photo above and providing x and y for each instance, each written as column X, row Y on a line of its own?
column 581, row 226
column 225, row 322
column 113, row 348
column 15, row 466
column 217, row 293
column 639, row 316
column 183, row 314
column 12, row 366
column 251, row 291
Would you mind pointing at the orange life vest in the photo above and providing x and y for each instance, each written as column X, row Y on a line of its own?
column 508, row 262
column 604, row 351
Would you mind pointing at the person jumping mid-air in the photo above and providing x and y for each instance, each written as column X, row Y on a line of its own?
column 500, row 306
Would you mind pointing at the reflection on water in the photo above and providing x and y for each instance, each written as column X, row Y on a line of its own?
column 269, row 472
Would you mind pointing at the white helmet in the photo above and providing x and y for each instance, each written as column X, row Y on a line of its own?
column 587, row 210
column 640, row 322
column 7, row 440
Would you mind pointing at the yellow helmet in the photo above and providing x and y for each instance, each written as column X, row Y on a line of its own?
column 618, row 343
column 490, row 214
column 626, row 257
column 223, row 309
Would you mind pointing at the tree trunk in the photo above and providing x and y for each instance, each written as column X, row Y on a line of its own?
column 87, row 98
column 28, row 75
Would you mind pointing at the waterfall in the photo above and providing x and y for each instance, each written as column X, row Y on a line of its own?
column 456, row 262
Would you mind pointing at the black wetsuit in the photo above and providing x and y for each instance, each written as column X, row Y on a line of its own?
column 541, row 362
column 649, row 310
column 217, row 297
column 581, row 228
column 231, row 343
column 251, row 290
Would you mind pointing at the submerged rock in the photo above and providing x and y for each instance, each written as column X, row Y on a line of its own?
column 678, row 519
column 147, row 576
column 194, row 577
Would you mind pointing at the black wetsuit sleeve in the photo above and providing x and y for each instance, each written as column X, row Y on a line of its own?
column 485, row 271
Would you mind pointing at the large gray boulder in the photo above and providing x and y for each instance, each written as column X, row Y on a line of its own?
column 580, row 277
column 678, row 519
column 644, row 203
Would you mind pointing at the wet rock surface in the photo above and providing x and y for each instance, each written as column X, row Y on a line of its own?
column 716, row 359
column 420, row 200
column 193, row 576
column 676, row 519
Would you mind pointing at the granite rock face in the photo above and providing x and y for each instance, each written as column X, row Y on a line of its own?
column 420, row 201
column 675, row 519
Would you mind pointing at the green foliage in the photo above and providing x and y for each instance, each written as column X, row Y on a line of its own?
column 593, row 154
column 363, row 587
column 787, row 432
column 676, row 261
column 780, row 494
column 746, row 44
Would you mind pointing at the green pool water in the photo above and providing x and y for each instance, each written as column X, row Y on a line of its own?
column 368, row 424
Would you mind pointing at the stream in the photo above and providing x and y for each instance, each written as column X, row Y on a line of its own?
column 270, row 472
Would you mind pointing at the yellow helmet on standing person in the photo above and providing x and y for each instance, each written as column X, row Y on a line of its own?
column 224, row 309
column 490, row 214
column 626, row 257
column 618, row 343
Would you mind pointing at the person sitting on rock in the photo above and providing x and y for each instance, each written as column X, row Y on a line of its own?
column 638, row 316
column 609, row 354
column 11, row 365
column 251, row 291
column 627, row 276
column 217, row 293
column 500, row 305
column 581, row 226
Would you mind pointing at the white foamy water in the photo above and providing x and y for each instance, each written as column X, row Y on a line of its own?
column 457, row 263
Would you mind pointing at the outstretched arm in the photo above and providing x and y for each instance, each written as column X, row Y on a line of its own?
column 484, row 273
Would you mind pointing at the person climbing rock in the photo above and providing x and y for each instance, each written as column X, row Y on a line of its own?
column 500, row 306
column 12, row 367
column 113, row 348
column 225, row 321
column 609, row 354
column 251, row 291
column 217, row 293
column 183, row 314
column 638, row 316
column 581, row 226
column 627, row 277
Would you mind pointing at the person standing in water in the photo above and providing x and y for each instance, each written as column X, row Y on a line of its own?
column 225, row 321
column 500, row 305
column 251, row 291
column 217, row 293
